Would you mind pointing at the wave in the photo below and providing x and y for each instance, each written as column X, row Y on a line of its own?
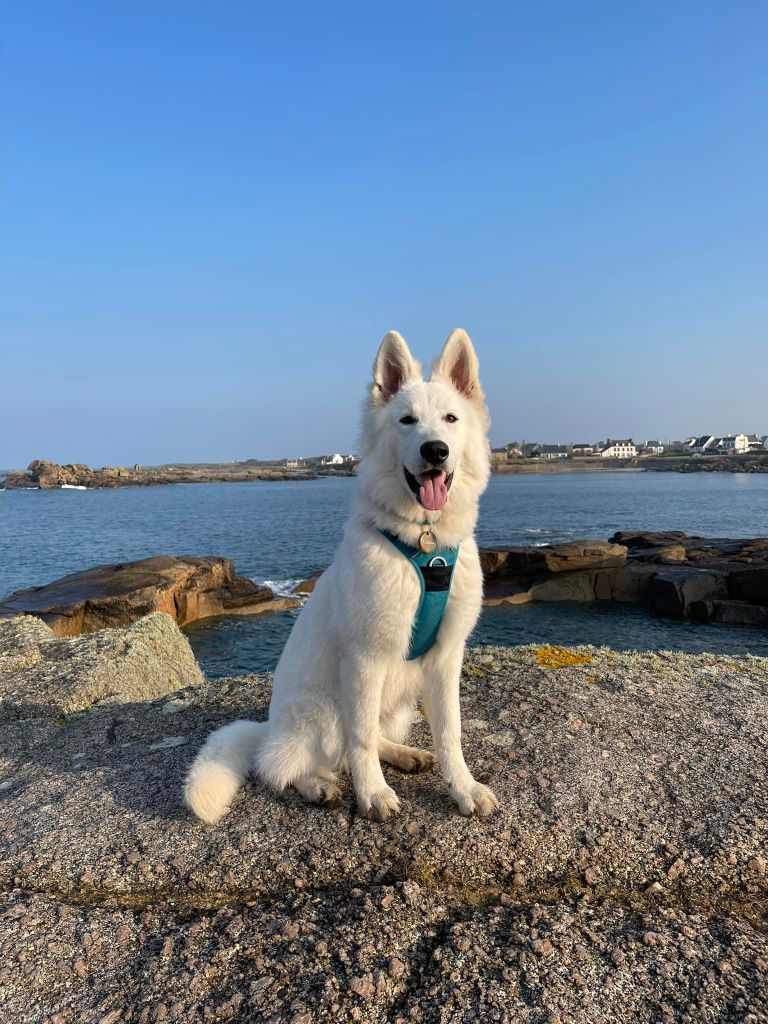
column 281, row 588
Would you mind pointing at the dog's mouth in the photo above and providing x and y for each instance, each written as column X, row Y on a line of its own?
column 430, row 488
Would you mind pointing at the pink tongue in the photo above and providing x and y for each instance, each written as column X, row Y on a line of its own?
column 433, row 493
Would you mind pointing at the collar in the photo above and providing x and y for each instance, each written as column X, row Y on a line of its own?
column 444, row 556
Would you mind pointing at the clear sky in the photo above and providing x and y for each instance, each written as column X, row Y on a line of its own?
column 212, row 212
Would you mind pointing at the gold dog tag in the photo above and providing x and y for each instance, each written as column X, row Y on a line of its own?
column 427, row 542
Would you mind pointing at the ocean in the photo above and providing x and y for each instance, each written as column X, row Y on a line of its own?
column 281, row 532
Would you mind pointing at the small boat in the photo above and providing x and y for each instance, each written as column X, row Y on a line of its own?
column 74, row 487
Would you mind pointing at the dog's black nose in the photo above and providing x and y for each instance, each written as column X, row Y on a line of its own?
column 434, row 452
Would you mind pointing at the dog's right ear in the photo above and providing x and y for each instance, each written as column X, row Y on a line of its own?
column 394, row 367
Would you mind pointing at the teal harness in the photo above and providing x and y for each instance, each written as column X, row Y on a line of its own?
column 435, row 572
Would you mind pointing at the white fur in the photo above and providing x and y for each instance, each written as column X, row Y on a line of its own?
column 343, row 693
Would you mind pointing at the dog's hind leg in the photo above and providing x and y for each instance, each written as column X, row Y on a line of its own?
column 319, row 787
column 407, row 759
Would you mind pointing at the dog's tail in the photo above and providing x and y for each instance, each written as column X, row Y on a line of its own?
column 220, row 769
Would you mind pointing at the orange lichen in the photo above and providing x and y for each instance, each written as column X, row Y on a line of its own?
column 560, row 657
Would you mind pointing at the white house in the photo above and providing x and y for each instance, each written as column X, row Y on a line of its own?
column 733, row 444
column 582, row 449
column 701, row 444
column 553, row 451
column 653, row 448
column 616, row 449
column 755, row 443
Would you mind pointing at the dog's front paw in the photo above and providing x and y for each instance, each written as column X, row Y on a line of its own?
column 475, row 799
column 380, row 805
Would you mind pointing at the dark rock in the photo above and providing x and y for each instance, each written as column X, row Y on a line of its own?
column 749, row 585
column 571, row 586
column 629, row 582
column 187, row 588
column 732, row 613
column 499, row 590
column 634, row 539
column 672, row 591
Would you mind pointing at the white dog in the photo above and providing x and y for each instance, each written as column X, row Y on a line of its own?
column 377, row 633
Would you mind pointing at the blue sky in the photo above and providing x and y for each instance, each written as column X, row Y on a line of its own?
column 213, row 212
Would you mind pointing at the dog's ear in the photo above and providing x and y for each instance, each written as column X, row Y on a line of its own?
column 458, row 365
column 394, row 367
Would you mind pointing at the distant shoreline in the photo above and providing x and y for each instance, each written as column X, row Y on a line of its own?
column 42, row 475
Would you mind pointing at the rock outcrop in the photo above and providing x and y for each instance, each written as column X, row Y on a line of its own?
column 47, row 475
column 675, row 574
column 623, row 879
column 42, row 676
column 553, row 558
column 187, row 588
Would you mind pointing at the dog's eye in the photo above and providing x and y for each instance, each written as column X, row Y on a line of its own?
column 408, row 420
column 450, row 418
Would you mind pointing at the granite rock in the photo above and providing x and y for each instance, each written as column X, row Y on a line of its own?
column 624, row 877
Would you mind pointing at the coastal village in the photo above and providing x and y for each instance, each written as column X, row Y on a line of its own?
column 730, row 453
column 611, row 448
column 627, row 448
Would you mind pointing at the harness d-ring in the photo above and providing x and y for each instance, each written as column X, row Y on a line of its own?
column 437, row 560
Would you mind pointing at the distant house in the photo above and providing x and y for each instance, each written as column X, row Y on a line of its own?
column 755, row 443
column 531, row 450
column 582, row 449
column 701, row 444
column 619, row 449
column 554, row 451
column 514, row 451
column 733, row 444
column 290, row 463
column 337, row 459
column 499, row 454
column 653, row 448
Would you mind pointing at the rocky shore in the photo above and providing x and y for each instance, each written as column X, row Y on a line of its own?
column 189, row 589
column 675, row 575
column 752, row 462
column 44, row 475
column 678, row 576
column 623, row 879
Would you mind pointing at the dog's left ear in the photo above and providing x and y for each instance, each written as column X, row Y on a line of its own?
column 458, row 365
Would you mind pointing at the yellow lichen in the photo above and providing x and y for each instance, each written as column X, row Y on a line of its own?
column 560, row 657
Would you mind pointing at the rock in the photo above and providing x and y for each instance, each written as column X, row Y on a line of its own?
column 635, row 539
column 629, row 582
column 46, row 475
column 672, row 591
column 571, row 586
column 499, row 590
column 672, row 554
column 56, row 677
column 732, row 613
column 187, row 588
column 749, row 585
column 218, row 929
column 308, row 585
column 527, row 561
column 623, row 583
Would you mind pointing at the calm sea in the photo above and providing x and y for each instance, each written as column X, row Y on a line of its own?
column 281, row 532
